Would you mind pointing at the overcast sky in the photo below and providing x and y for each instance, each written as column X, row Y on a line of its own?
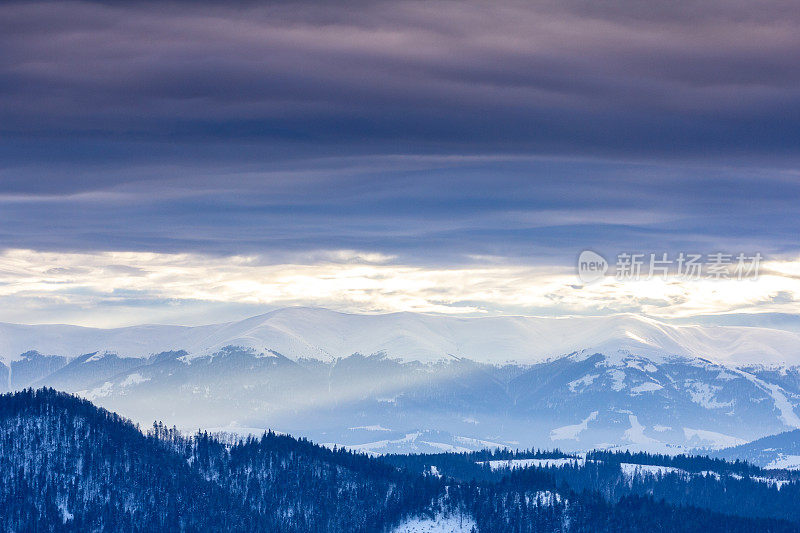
column 188, row 162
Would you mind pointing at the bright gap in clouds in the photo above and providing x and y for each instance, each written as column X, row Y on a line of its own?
column 121, row 288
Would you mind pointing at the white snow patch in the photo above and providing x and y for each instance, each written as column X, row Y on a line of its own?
column 648, row 386
column 379, row 447
column 642, row 365
column 98, row 392
column 133, row 379
column 447, row 447
column 635, row 433
column 469, row 441
column 661, row 429
column 778, row 483
column 66, row 516
column 512, row 464
column 788, row 416
column 95, row 357
column 712, row 439
column 543, row 498
column 630, row 470
column 583, row 382
column 637, row 338
column 617, row 378
column 572, row 432
column 704, row 394
column 787, row 462
column 376, row 427
column 438, row 524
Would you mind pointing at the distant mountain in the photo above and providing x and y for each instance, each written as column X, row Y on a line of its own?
column 66, row 465
column 299, row 333
column 377, row 404
column 419, row 383
column 774, row 451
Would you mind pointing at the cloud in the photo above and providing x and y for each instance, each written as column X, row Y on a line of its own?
column 433, row 211
column 365, row 76
column 498, row 139
column 91, row 287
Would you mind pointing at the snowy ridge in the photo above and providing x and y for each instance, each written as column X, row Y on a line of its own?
column 632, row 471
column 326, row 335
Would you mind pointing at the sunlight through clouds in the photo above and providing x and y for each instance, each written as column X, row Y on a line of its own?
column 369, row 282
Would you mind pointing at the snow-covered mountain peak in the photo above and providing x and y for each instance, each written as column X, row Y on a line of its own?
column 327, row 335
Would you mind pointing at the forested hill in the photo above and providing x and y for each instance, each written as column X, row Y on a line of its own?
column 66, row 465
column 777, row 451
column 63, row 461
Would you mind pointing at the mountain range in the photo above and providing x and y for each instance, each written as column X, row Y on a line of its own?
column 425, row 383
column 326, row 335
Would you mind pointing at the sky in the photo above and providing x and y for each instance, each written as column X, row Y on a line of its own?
column 194, row 162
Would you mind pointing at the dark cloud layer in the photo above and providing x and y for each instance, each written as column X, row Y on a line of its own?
column 432, row 130
column 448, row 75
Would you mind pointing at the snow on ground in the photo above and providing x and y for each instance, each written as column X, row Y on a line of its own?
column 95, row 357
column 788, row 462
column 704, row 394
column 541, row 463
column 371, row 446
column 648, row 386
column 712, row 439
column 635, row 433
column 544, row 498
column 133, row 379
column 326, row 335
column 376, row 427
column 788, row 416
column 447, row 447
column 469, row 441
column 66, row 516
column 438, row 524
column 771, row 481
column 583, row 382
column 98, row 392
column 617, row 378
column 572, row 432
column 379, row 447
column 640, row 365
column 631, row 470
column 235, row 431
